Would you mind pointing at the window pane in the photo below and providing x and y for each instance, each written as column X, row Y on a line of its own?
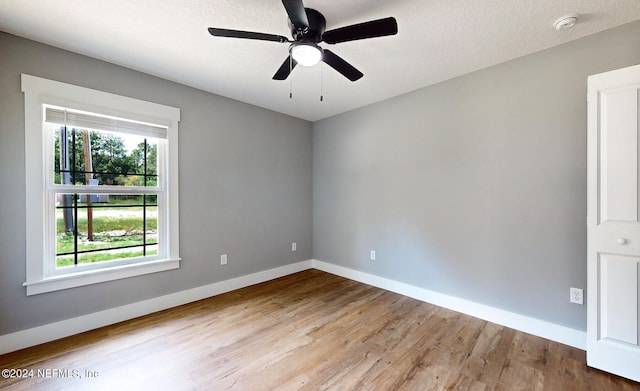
column 87, row 157
column 124, row 226
column 152, row 225
column 109, row 255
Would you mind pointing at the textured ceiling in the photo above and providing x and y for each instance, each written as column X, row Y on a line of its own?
column 437, row 40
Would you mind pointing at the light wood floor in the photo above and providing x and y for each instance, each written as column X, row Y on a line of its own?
column 307, row 331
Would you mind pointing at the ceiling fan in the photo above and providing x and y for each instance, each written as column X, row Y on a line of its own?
column 308, row 30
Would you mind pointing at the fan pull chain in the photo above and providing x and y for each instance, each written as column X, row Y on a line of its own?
column 321, row 84
column 290, row 78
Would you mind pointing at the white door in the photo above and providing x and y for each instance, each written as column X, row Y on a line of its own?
column 613, row 223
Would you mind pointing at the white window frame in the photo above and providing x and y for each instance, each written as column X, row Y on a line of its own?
column 38, row 92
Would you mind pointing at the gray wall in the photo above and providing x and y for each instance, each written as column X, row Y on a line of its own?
column 475, row 187
column 245, row 186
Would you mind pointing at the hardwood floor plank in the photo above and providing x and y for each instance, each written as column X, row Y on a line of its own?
column 530, row 350
column 463, row 382
column 518, row 376
column 308, row 331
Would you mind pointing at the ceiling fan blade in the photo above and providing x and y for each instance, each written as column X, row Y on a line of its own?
column 371, row 29
column 297, row 14
column 246, row 34
column 285, row 69
column 340, row 65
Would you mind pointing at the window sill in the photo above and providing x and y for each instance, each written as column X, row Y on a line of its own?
column 57, row 283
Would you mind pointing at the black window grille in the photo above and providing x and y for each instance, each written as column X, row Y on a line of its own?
column 147, row 201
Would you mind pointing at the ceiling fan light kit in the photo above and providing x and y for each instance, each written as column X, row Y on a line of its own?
column 306, row 54
column 308, row 30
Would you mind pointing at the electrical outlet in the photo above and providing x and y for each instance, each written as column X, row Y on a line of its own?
column 223, row 259
column 294, row 246
column 575, row 296
column 372, row 255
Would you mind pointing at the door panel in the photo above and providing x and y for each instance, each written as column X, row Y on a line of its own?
column 619, row 156
column 618, row 298
column 613, row 226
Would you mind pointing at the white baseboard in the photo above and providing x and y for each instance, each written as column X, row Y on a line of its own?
column 52, row 331
column 541, row 328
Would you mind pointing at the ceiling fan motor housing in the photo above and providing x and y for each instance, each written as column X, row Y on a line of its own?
column 317, row 25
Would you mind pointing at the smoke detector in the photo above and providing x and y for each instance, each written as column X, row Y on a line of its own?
column 565, row 22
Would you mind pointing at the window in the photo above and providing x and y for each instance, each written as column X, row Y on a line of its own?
column 101, row 184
